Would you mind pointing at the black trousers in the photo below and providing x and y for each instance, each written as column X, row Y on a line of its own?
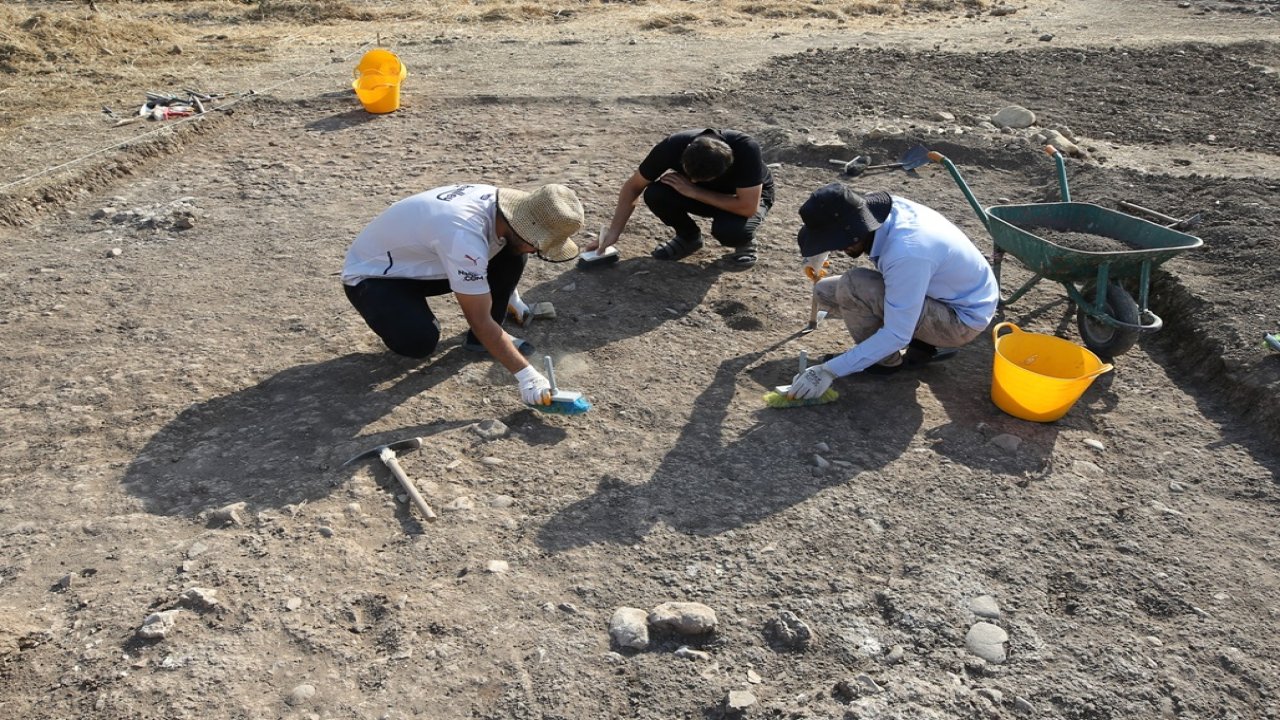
column 729, row 229
column 396, row 308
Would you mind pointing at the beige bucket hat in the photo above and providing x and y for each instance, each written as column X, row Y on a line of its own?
column 545, row 218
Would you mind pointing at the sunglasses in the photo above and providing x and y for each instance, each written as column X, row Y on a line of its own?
column 536, row 252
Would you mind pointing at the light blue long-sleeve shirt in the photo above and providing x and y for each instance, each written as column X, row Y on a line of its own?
column 922, row 255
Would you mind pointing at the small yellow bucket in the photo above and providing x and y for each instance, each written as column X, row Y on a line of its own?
column 1039, row 377
column 377, row 80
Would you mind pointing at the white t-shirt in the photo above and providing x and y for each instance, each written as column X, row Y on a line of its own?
column 444, row 233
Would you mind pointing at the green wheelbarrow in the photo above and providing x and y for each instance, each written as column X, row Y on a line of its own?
column 1109, row 318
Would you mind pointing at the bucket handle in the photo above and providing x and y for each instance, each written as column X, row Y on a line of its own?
column 1106, row 368
column 995, row 331
column 995, row 335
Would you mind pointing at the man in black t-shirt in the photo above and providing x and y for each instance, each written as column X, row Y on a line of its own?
column 718, row 174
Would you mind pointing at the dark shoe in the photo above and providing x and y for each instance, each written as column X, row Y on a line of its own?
column 471, row 344
column 677, row 248
column 920, row 352
column 743, row 256
column 876, row 369
column 882, row 370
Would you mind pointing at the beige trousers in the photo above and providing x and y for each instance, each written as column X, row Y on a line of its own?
column 857, row 297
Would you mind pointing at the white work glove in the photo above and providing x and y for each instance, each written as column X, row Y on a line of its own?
column 817, row 267
column 811, row 383
column 534, row 388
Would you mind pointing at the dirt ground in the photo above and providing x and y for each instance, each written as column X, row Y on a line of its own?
column 175, row 341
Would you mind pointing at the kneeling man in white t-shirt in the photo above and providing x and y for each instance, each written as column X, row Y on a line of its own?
column 470, row 240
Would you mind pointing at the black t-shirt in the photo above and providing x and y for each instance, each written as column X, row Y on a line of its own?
column 748, row 168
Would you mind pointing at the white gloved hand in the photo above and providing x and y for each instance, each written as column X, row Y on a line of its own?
column 817, row 267
column 534, row 388
column 811, row 383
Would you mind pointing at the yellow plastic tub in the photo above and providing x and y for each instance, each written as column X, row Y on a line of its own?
column 378, row 93
column 377, row 80
column 1039, row 377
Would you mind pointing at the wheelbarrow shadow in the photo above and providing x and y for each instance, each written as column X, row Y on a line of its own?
column 273, row 444
column 709, row 483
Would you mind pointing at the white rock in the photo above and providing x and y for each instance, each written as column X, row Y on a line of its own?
column 985, row 606
column 688, row 618
column 544, row 310
column 987, row 642
column 198, row 598
column 489, row 429
column 739, row 700
column 1095, row 444
column 688, row 653
column 158, row 625
column 460, row 504
column 1014, row 116
column 629, row 628
column 301, row 694
column 229, row 514
column 497, row 566
column 293, row 603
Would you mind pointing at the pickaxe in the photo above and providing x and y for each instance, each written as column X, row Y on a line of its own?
column 387, row 454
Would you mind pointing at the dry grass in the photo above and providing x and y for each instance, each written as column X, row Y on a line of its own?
column 65, row 54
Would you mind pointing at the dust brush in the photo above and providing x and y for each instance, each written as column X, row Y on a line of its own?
column 563, row 402
column 777, row 397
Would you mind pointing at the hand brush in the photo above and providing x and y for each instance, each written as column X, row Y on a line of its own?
column 777, row 397
column 598, row 258
column 563, row 402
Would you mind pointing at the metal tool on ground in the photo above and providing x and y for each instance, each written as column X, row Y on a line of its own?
column 563, row 402
column 777, row 397
column 1171, row 222
column 387, row 454
column 917, row 156
column 590, row 259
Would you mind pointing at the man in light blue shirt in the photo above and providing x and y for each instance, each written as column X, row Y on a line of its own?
column 931, row 291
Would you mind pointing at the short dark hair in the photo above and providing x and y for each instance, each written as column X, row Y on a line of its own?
column 706, row 158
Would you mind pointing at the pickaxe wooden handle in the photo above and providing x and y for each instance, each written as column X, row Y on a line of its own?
column 388, row 457
column 387, row 454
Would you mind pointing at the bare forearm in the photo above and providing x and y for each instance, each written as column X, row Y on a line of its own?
column 495, row 340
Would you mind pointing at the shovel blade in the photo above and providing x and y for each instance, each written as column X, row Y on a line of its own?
column 917, row 156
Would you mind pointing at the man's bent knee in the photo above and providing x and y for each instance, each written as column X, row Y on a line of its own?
column 416, row 349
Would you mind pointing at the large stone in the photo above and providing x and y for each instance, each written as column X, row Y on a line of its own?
column 987, row 642
column 1014, row 116
column 686, row 618
column 629, row 628
column 158, row 625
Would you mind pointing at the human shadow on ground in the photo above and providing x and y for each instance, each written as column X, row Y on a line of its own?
column 612, row 303
column 271, row 444
column 709, row 483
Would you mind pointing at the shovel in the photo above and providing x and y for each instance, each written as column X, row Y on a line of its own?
column 913, row 158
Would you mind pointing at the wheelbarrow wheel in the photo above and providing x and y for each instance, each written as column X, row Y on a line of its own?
column 1103, row 339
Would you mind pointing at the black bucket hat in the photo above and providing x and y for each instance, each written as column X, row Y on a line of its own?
column 836, row 217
